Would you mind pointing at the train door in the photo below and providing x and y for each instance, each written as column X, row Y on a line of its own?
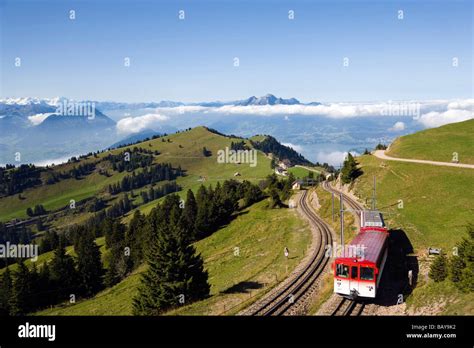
column 354, row 280
column 342, row 279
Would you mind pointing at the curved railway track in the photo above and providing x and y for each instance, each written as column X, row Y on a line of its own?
column 284, row 299
column 346, row 306
column 354, row 206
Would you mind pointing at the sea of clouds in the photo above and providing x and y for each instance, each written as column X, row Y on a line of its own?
column 433, row 113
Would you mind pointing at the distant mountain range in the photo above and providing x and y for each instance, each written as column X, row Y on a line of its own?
column 39, row 104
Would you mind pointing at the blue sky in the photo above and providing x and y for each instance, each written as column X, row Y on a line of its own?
column 192, row 59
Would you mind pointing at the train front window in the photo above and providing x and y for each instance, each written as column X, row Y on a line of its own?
column 366, row 273
column 354, row 272
column 342, row 271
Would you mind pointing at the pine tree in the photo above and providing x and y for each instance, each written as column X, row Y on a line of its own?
column 439, row 268
column 275, row 201
column 63, row 271
column 6, row 285
column 44, row 285
column 21, row 290
column 89, row 265
column 190, row 214
column 135, row 238
column 119, row 261
column 174, row 270
column 456, row 266
column 349, row 170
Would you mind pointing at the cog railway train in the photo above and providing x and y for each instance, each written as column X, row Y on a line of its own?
column 357, row 274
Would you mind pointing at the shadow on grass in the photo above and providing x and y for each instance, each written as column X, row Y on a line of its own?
column 243, row 287
column 394, row 286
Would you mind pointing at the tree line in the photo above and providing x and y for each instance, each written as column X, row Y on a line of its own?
column 459, row 268
column 149, row 175
column 64, row 278
column 163, row 240
column 14, row 180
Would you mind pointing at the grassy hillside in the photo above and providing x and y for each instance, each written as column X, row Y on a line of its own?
column 182, row 149
column 438, row 202
column 438, row 144
column 258, row 232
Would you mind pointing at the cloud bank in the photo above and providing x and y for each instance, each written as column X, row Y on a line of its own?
column 429, row 113
column 456, row 111
column 432, row 113
column 398, row 126
column 334, row 158
column 38, row 118
column 297, row 148
column 130, row 125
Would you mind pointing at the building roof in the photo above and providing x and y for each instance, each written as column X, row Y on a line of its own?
column 371, row 218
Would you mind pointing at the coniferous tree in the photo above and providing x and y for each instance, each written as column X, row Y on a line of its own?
column 349, row 170
column 89, row 265
column 439, row 268
column 190, row 214
column 175, row 274
column 21, row 290
column 120, row 263
column 456, row 266
column 44, row 285
column 33, row 298
column 6, row 285
column 275, row 201
column 63, row 272
column 136, row 238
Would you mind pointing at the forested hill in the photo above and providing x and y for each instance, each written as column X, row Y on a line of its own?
column 270, row 145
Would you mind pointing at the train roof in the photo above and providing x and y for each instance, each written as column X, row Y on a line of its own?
column 373, row 244
column 372, row 218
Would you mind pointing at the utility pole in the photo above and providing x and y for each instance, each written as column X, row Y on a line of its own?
column 373, row 196
column 342, row 221
column 333, row 217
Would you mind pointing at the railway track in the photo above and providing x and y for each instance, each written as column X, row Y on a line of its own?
column 353, row 205
column 348, row 307
column 293, row 292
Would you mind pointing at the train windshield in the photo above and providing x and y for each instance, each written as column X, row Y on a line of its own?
column 366, row 273
column 342, row 271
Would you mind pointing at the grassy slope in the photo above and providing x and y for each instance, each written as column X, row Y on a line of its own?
column 259, row 233
column 184, row 149
column 299, row 172
column 438, row 203
column 438, row 144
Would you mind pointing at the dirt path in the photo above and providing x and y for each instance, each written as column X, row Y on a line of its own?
column 381, row 154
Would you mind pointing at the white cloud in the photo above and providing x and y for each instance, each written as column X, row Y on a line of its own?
column 297, row 148
column 409, row 108
column 180, row 110
column 38, row 118
column 430, row 113
column 334, row 158
column 436, row 119
column 398, row 126
column 131, row 125
column 454, row 111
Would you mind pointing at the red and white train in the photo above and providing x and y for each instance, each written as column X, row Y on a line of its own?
column 357, row 274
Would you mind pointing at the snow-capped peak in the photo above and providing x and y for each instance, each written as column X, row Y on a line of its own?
column 32, row 100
